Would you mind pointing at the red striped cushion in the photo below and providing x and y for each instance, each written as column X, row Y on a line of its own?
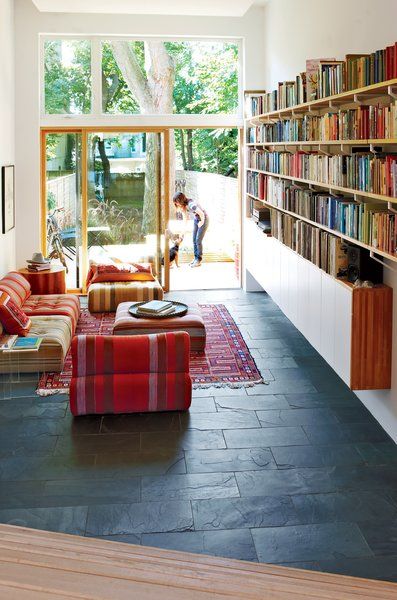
column 16, row 286
column 13, row 319
column 127, row 374
column 54, row 304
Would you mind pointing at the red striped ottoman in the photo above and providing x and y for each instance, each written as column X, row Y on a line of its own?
column 192, row 323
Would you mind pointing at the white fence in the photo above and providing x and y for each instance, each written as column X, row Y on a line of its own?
column 63, row 191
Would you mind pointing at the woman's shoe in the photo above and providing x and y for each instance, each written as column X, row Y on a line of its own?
column 196, row 263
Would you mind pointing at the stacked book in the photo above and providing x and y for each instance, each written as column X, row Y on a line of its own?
column 323, row 249
column 368, row 222
column 361, row 123
column 36, row 267
column 361, row 171
column 327, row 77
column 13, row 343
column 156, row 308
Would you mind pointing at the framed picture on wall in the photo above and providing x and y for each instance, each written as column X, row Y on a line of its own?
column 7, row 198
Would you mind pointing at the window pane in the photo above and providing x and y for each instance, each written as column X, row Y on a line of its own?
column 67, row 76
column 155, row 77
column 63, row 176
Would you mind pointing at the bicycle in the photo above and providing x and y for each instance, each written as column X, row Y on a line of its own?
column 54, row 238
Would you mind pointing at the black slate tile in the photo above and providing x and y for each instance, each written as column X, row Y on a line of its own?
column 143, row 517
column 343, row 507
column 345, row 433
column 380, row 533
column 264, row 437
column 382, row 453
column 11, row 410
column 322, row 400
column 220, row 420
column 289, row 457
column 63, row 519
column 128, row 538
column 299, row 416
column 234, row 513
column 242, row 459
column 185, row 440
column 375, row 567
column 309, row 542
column 97, row 444
column 21, row 494
column 202, row 405
column 353, row 414
column 91, row 492
column 235, row 543
column 141, row 422
column 46, row 468
column 10, row 445
column 190, row 486
column 266, row 402
column 125, row 465
column 282, row 386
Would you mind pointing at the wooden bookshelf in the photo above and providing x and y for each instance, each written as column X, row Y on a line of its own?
column 359, row 95
column 335, row 232
column 374, row 142
column 329, row 186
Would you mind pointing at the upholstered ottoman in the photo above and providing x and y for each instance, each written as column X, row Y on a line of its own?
column 192, row 323
column 106, row 296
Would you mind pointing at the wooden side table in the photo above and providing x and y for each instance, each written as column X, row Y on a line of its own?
column 52, row 281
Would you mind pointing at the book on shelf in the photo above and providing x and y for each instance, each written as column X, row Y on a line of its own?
column 155, row 307
column 368, row 222
column 37, row 267
column 25, row 344
column 330, row 78
column 312, row 71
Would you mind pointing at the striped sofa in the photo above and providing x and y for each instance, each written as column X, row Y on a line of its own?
column 105, row 297
column 53, row 317
column 128, row 374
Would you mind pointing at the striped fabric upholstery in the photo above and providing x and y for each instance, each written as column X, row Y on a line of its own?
column 105, row 297
column 50, row 357
column 128, row 374
column 192, row 323
column 58, row 304
column 16, row 286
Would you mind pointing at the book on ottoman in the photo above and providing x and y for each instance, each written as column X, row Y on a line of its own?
column 156, row 307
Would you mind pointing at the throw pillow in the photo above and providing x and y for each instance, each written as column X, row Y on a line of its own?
column 13, row 319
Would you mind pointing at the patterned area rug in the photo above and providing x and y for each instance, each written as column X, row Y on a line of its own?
column 226, row 362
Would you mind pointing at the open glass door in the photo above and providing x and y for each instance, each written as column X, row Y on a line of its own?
column 106, row 198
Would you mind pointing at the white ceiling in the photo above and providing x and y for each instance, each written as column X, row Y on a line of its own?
column 215, row 8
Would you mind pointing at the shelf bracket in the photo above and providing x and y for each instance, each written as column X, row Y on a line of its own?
column 392, row 91
column 391, row 207
column 357, row 99
column 371, row 253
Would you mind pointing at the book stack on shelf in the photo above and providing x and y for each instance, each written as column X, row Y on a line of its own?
column 375, row 173
column 361, row 123
column 329, row 77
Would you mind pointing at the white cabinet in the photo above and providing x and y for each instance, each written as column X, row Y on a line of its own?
column 343, row 331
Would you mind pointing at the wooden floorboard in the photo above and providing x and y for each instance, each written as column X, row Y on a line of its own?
column 39, row 565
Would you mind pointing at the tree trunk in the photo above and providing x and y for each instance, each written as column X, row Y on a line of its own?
column 105, row 163
column 190, row 157
column 183, row 151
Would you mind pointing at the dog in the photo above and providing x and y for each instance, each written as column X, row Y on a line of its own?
column 177, row 240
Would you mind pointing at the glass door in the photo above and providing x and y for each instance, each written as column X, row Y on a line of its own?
column 106, row 198
column 61, row 226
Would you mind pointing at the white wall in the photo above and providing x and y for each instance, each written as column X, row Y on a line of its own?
column 7, row 155
column 30, row 22
column 299, row 29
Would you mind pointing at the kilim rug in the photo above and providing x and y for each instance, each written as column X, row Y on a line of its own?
column 226, row 362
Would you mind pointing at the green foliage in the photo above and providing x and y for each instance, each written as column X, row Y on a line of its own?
column 124, row 224
column 51, row 201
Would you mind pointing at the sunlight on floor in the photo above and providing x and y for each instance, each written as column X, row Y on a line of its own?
column 209, row 276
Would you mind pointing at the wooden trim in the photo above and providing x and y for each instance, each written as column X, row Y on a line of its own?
column 373, row 91
column 43, row 193
column 167, row 198
column 329, row 186
column 35, row 564
column 335, row 232
column 84, row 211
column 371, row 350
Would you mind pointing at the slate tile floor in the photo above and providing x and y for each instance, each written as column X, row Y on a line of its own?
column 295, row 472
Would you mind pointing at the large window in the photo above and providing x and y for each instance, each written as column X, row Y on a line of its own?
column 151, row 76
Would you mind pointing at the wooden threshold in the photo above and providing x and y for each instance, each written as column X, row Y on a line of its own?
column 42, row 565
